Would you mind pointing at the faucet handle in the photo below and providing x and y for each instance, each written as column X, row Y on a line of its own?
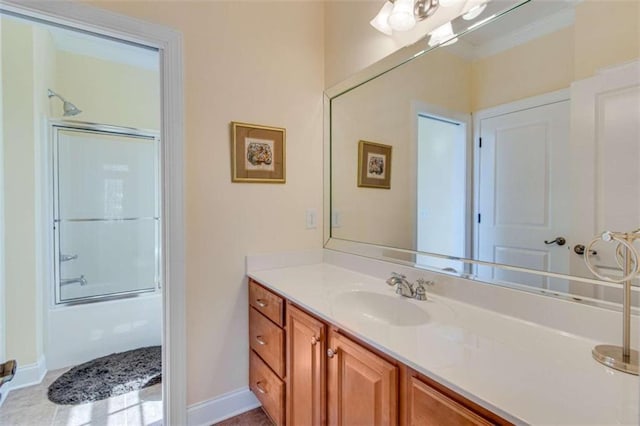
column 422, row 282
column 420, row 292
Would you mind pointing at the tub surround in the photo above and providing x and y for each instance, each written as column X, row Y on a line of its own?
column 93, row 330
column 521, row 369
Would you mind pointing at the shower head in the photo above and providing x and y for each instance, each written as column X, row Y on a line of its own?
column 69, row 108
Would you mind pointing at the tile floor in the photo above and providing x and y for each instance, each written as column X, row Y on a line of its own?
column 30, row 407
column 255, row 417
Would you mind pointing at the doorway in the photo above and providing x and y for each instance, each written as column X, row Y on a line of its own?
column 442, row 188
column 89, row 20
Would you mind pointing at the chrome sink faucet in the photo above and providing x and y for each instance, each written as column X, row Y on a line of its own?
column 403, row 286
column 406, row 289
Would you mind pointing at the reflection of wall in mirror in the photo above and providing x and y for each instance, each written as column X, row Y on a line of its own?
column 603, row 34
column 361, row 114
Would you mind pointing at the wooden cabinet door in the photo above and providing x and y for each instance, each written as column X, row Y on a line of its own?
column 428, row 407
column 306, row 369
column 362, row 388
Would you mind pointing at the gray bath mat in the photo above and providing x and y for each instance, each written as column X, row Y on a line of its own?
column 108, row 376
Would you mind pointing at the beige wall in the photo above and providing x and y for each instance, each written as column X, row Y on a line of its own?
column 18, row 119
column 351, row 44
column 606, row 33
column 259, row 62
column 108, row 92
column 539, row 66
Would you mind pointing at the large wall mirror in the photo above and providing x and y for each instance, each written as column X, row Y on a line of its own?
column 514, row 145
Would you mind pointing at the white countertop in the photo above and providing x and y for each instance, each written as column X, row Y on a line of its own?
column 527, row 373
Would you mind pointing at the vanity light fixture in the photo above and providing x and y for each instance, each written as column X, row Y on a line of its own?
column 474, row 12
column 381, row 20
column 402, row 15
column 449, row 3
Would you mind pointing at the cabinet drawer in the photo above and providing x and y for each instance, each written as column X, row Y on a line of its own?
column 269, row 304
column 267, row 339
column 267, row 387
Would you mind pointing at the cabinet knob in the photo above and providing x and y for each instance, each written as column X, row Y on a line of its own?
column 260, row 388
column 261, row 303
column 260, row 340
column 331, row 352
column 314, row 340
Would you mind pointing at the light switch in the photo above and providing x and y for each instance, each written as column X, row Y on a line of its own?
column 336, row 219
column 312, row 218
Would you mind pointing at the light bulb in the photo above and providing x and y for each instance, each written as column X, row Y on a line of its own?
column 381, row 20
column 442, row 35
column 401, row 18
column 474, row 12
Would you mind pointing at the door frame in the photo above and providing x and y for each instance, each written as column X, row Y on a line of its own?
column 168, row 41
column 496, row 111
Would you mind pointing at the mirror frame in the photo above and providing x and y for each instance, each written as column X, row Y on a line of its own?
column 395, row 254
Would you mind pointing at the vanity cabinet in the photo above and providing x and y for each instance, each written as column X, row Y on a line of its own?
column 267, row 352
column 425, row 402
column 306, row 371
column 362, row 386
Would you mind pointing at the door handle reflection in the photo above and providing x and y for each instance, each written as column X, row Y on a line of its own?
column 559, row 241
column 580, row 249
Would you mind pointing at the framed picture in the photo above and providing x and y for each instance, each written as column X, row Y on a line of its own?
column 374, row 165
column 257, row 153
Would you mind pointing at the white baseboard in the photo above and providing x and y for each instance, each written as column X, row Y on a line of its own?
column 28, row 375
column 221, row 408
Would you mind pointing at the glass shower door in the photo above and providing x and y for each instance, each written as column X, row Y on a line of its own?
column 106, row 214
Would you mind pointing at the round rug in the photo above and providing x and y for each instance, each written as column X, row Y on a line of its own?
column 108, row 376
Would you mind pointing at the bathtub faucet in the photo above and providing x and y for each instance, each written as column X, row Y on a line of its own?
column 81, row 280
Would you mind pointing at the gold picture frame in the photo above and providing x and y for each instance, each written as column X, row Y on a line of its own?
column 374, row 165
column 257, row 153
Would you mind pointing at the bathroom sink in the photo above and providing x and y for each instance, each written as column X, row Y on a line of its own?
column 381, row 308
